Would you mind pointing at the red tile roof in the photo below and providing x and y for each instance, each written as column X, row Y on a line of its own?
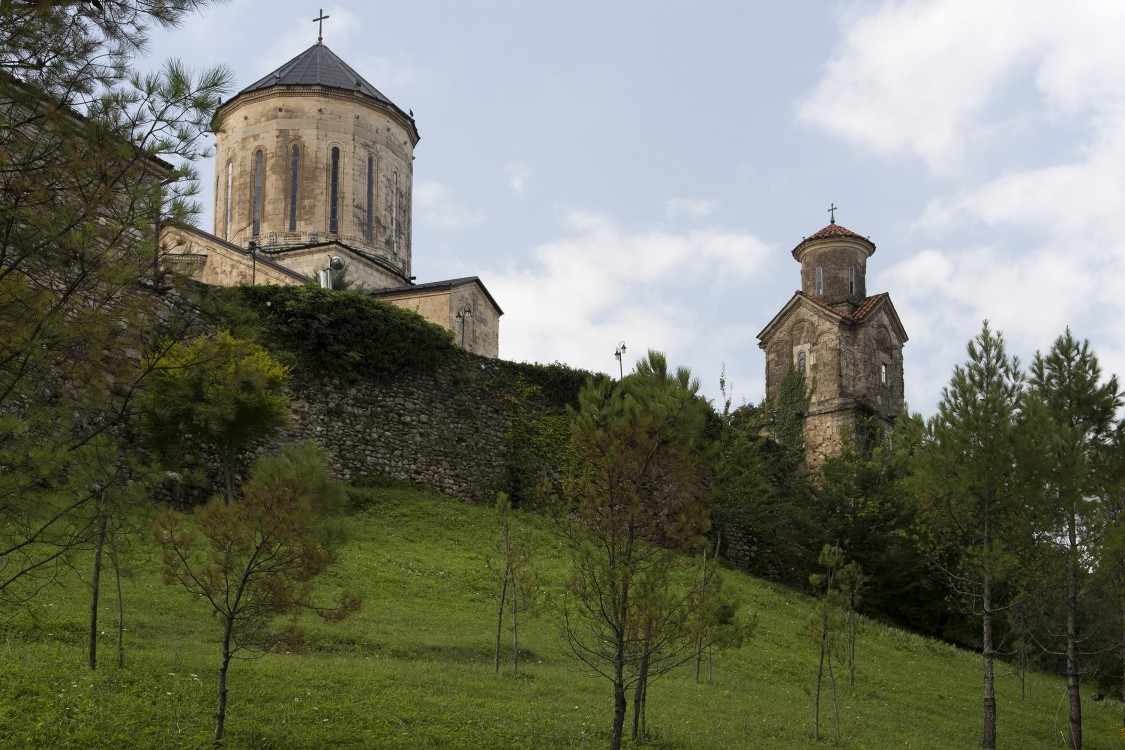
column 834, row 230
column 865, row 307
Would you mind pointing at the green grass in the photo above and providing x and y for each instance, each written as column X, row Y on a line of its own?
column 413, row 669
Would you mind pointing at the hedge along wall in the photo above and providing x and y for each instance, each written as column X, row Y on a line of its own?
column 387, row 394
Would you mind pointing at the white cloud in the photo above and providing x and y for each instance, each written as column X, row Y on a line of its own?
column 581, row 294
column 1030, row 294
column 919, row 77
column 690, row 208
column 517, row 175
column 434, row 205
column 1066, row 200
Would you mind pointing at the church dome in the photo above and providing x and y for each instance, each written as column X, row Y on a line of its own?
column 834, row 266
column 320, row 66
column 313, row 153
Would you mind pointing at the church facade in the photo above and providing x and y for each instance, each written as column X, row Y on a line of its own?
column 314, row 167
column 847, row 343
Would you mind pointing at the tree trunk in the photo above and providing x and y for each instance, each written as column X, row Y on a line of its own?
column 1072, row 675
column 1023, row 670
column 702, row 608
column 503, row 597
column 120, row 603
column 515, row 627
column 851, row 644
column 835, row 700
column 221, row 713
column 989, row 740
column 819, row 679
column 98, row 547
column 640, row 693
column 618, row 708
column 228, row 475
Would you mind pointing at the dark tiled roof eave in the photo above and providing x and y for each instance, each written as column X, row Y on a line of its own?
column 317, row 66
column 444, row 284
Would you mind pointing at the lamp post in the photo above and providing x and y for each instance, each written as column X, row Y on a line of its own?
column 619, row 352
column 466, row 312
column 253, row 248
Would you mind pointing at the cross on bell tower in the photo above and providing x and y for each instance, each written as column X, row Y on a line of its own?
column 320, row 32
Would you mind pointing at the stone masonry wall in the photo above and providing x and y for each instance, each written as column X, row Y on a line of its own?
column 446, row 430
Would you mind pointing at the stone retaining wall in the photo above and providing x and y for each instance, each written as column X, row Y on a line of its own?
column 446, row 430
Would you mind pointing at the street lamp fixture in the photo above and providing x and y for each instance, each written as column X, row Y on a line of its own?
column 619, row 352
column 335, row 263
column 466, row 312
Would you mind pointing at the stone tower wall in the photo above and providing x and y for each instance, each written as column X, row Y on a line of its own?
column 835, row 257
column 877, row 346
column 316, row 120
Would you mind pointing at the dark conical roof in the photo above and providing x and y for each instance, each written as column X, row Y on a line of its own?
column 318, row 66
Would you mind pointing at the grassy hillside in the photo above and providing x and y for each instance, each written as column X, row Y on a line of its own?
column 414, row 668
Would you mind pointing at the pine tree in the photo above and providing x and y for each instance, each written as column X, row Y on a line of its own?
column 972, row 515
column 635, row 497
column 1072, row 414
column 255, row 561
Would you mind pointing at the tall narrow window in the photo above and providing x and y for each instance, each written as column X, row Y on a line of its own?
column 851, row 279
column 394, row 215
column 230, row 181
column 334, row 197
column 370, row 198
column 294, row 168
column 884, row 374
column 819, row 281
column 258, row 163
column 802, row 362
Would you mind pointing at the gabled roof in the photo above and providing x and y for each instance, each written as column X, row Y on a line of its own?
column 262, row 260
column 833, row 231
column 317, row 66
column 405, row 291
column 859, row 316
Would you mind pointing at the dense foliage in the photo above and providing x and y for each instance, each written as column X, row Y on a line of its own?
column 342, row 334
column 557, row 384
column 218, row 391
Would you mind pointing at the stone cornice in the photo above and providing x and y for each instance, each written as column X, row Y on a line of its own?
column 321, row 92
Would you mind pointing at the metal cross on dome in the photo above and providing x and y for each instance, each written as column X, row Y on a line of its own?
column 832, row 212
column 320, row 19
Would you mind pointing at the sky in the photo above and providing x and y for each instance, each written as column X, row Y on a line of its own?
column 639, row 171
